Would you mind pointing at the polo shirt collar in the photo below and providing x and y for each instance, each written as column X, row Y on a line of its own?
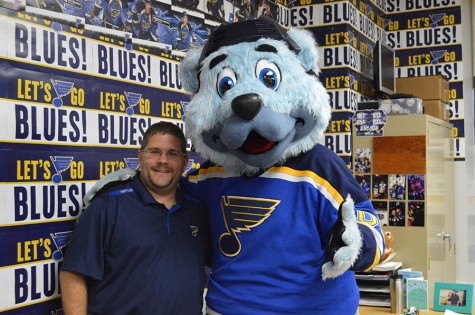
column 145, row 196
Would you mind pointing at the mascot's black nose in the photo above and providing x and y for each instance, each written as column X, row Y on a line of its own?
column 247, row 106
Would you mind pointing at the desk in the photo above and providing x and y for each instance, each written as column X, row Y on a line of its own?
column 373, row 310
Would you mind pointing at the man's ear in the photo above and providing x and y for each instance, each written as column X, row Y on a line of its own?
column 189, row 71
column 308, row 56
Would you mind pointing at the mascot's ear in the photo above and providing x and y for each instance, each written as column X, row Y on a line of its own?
column 308, row 56
column 189, row 71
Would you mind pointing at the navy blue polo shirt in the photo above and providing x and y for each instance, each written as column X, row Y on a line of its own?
column 139, row 257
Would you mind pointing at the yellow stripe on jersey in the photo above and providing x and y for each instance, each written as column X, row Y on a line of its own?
column 284, row 173
column 308, row 176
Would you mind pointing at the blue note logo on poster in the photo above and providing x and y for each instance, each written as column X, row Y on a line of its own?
column 184, row 106
column 61, row 164
column 437, row 55
column 133, row 99
column 132, row 163
column 62, row 88
column 353, row 83
column 60, row 240
column 369, row 122
column 436, row 18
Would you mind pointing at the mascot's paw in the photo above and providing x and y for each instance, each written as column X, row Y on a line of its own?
column 345, row 243
column 117, row 176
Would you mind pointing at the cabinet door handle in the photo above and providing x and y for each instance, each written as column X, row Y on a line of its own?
column 446, row 236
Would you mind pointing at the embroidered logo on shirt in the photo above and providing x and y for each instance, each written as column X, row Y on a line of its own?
column 194, row 230
column 242, row 214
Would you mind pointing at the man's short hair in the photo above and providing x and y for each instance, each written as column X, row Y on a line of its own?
column 164, row 128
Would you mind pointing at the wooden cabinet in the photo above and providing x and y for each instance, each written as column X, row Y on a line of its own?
column 413, row 151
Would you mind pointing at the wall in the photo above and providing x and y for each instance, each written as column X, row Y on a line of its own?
column 75, row 105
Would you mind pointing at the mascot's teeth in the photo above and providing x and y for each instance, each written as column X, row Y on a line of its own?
column 256, row 144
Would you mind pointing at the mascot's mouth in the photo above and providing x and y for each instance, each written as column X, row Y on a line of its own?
column 256, row 144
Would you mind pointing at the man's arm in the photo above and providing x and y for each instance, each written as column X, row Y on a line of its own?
column 74, row 293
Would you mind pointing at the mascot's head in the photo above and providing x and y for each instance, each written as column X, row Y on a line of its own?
column 256, row 99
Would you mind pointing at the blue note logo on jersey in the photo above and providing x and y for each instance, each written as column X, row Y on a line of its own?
column 436, row 55
column 133, row 99
column 194, row 230
column 60, row 240
column 62, row 88
column 242, row 214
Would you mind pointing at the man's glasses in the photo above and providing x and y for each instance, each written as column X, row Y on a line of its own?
column 171, row 155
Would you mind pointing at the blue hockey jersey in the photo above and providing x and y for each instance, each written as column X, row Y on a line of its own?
column 271, row 233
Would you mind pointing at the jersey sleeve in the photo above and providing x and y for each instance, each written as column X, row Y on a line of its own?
column 343, row 183
column 373, row 240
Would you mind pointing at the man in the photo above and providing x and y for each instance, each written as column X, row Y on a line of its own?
column 140, row 246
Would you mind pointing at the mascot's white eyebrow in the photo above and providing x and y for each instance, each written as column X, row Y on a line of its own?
column 261, row 48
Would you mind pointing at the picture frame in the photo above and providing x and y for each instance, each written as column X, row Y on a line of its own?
column 446, row 294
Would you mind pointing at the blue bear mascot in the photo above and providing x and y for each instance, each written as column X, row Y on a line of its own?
column 289, row 222
column 288, row 218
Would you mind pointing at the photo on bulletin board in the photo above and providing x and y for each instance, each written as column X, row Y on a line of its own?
column 381, row 208
column 217, row 9
column 456, row 297
column 397, row 187
column 415, row 213
column 365, row 183
column 68, row 7
column 187, row 26
column 111, row 14
column 209, row 27
column 161, row 31
column 188, row 4
column 380, row 187
column 244, row 10
column 415, row 187
column 362, row 160
column 151, row 21
column 397, row 213
column 267, row 8
column 18, row 5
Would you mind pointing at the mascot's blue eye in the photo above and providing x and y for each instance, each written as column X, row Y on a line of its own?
column 226, row 81
column 268, row 73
